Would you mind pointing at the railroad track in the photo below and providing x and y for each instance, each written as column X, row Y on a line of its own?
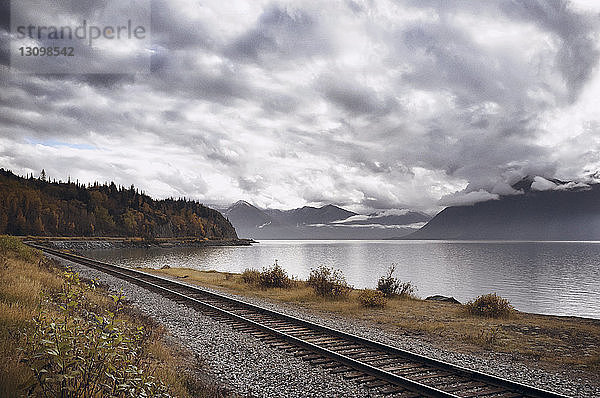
column 386, row 369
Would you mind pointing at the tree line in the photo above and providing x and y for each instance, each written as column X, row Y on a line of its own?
column 34, row 206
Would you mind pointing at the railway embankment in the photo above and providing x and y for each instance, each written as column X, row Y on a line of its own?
column 249, row 366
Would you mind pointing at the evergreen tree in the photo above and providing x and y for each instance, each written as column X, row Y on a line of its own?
column 38, row 207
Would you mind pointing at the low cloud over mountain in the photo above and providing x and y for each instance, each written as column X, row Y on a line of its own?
column 544, row 209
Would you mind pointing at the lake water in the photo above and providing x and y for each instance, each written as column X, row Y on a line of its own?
column 557, row 278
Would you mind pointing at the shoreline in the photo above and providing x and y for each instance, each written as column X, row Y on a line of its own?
column 84, row 244
column 93, row 243
column 546, row 342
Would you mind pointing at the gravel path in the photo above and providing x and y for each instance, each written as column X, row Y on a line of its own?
column 249, row 367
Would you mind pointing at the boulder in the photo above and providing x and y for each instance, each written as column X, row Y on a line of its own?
column 443, row 299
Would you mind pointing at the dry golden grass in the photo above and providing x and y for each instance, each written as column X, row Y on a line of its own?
column 26, row 278
column 552, row 341
column 21, row 285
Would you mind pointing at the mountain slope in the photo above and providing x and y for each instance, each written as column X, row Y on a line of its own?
column 244, row 214
column 535, row 215
column 308, row 215
column 31, row 206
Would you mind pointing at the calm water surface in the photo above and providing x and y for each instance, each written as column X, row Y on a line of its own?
column 558, row 278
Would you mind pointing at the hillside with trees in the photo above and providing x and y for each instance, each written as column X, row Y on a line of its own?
column 35, row 206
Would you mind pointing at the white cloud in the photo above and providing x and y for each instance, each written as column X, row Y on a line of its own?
column 572, row 186
column 467, row 199
column 542, row 184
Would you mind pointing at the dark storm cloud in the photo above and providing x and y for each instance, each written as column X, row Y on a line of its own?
column 101, row 80
column 354, row 6
column 172, row 28
column 578, row 54
column 278, row 34
column 447, row 59
column 353, row 97
column 223, row 84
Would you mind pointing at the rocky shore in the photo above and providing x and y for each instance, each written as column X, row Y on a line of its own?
column 116, row 243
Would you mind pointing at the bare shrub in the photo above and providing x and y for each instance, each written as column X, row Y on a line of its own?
column 391, row 286
column 388, row 284
column 407, row 290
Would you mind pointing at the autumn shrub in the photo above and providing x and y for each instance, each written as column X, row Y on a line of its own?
column 274, row 276
column 372, row 299
column 490, row 305
column 328, row 282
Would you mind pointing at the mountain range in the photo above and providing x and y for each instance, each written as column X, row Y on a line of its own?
column 544, row 209
column 327, row 222
column 538, row 209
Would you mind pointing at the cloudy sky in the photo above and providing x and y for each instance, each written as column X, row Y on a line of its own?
column 368, row 104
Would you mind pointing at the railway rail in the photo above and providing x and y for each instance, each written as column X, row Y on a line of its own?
column 387, row 369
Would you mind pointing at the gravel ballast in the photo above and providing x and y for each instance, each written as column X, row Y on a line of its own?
column 249, row 367
column 237, row 360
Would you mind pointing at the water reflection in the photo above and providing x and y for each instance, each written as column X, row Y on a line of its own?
column 546, row 277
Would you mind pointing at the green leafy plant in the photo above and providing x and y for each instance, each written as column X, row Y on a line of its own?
column 87, row 351
column 328, row 282
column 10, row 244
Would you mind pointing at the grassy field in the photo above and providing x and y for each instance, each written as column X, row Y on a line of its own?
column 552, row 342
column 59, row 335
